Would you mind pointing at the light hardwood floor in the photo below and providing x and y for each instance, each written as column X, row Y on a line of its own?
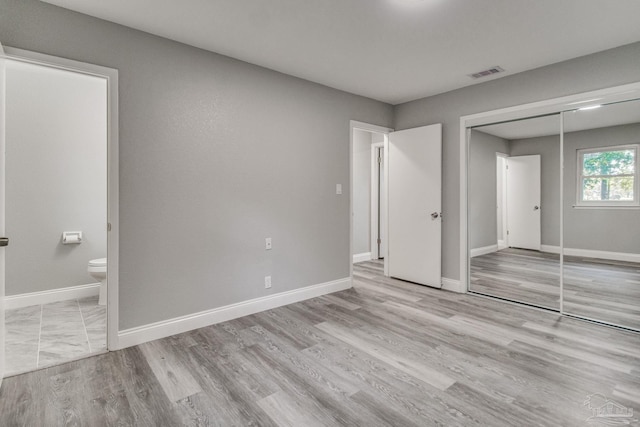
column 385, row 353
column 604, row 290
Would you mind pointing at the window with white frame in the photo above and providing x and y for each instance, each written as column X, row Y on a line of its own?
column 608, row 176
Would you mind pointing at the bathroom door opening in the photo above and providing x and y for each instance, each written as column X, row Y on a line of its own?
column 61, row 197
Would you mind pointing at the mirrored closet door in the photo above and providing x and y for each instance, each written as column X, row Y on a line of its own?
column 514, row 210
column 602, row 214
column 553, row 211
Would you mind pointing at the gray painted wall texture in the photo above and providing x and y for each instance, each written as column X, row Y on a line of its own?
column 56, row 176
column 361, row 191
column 483, row 221
column 215, row 155
column 614, row 230
column 605, row 69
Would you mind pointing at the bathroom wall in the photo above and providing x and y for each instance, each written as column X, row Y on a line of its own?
column 604, row 69
column 56, row 176
column 215, row 155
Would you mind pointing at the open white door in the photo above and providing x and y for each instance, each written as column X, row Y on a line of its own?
column 523, row 202
column 414, row 197
column 3, row 241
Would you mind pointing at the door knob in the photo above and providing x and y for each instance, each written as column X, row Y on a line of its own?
column 535, row 208
column 4, row 241
column 434, row 215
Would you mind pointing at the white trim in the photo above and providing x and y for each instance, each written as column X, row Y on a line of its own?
column 375, row 203
column 453, row 285
column 502, row 204
column 607, row 203
column 113, row 168
column 554, row 105
column 385, row 183
column 591, row 253
column 365, row 256
column 53, row 295
column 165, row 328
column 483, row 250
column 561, row 201
column 551, row 249
column 369, row 127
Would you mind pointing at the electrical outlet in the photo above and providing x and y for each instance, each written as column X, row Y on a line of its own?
column 267, row 282
column 267, row 243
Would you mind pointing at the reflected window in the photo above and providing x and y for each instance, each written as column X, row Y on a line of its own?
column 608, row 176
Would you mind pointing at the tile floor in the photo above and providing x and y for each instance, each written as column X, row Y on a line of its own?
column 45, row 335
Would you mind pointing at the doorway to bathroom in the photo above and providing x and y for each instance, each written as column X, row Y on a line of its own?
column 60, row 174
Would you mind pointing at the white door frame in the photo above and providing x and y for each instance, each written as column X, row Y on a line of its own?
column 353, row 125
column 375, row 203
column 503, row 204
column 550, row 106
column 111, row 76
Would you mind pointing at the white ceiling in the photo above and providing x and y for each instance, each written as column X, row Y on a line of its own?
column 389, row 50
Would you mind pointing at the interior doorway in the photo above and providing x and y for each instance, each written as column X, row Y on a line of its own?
column 368, row 195
column 60, row 137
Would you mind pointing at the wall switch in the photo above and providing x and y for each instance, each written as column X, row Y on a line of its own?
column 267, row 282
column 267, row 243
column 338, row 188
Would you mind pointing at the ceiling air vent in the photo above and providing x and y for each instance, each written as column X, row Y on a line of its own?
column 487, row 72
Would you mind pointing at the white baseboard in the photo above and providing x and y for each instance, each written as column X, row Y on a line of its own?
column 502, row 244
column 45, row 297
column 550, row 249
column 484, row 250
column 366, row 256
column 165, row 328
column 590, row 253
column 452, row 285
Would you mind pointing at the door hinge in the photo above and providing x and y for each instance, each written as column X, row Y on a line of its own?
column 379, row 159
column 379, row 241
column 507, row 232
column 108, row 226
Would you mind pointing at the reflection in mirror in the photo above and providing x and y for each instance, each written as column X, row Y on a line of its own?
column 601, row 214
column 514, row 211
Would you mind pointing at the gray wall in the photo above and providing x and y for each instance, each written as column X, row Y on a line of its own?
column 548, row 148
column 605, row 69
column 615, row 230
column 483, row 221
column 56, row 176
column 215, row 155
column 361, row 191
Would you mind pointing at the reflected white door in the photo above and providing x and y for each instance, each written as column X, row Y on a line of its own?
column 523, row 202
column 414, row 197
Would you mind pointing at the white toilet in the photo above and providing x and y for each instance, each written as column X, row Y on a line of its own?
column 98, row 270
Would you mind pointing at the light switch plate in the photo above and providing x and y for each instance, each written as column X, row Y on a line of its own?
column 338, row 188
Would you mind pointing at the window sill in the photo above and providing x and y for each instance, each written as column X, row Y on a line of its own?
column 606, row 207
